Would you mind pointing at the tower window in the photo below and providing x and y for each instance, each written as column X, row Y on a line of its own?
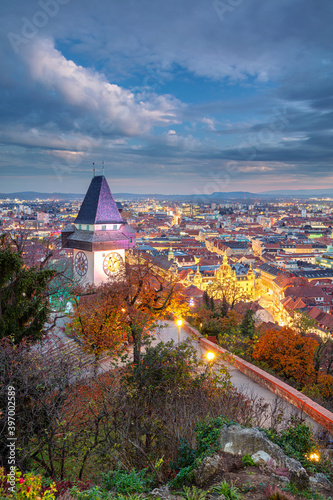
column 80, row 226
column 103, row 228
column 115, row 227
column 87, row 227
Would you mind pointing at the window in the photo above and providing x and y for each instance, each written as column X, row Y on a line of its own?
column 131, row 240
column 80, row 226
column 115, row 227
column 103, row 228
column 87, row 227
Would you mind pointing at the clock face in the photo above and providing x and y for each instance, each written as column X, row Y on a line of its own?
column 81, row 263
column 112, row 263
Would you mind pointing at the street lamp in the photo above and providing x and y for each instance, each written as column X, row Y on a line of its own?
column 210, row 355
column 210, row 358
column 179, row 323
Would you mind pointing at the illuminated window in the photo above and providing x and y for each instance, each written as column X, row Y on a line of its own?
column 103, row 228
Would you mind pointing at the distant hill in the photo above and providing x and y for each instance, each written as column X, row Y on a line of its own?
column 301, row 192
column 33, row 195
column 190, row 198
column 194, row 198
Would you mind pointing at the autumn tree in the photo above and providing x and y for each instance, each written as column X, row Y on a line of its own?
column 132, row 302
column 228, row 291
column 100, row 324
column 289, row 353
column 302, row 323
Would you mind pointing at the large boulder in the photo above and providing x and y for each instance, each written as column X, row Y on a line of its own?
column 321, row 480
column 206, row 470
column 262, row 458
column 241, row 441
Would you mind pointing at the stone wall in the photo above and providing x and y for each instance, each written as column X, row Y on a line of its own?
column 281, row 389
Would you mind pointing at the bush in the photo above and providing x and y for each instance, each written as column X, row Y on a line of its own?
column 296, row 441
column 274, row 493
column 229, row 491
column 186, row 456
column 94, row 493
column 127, row 482
column 247, row 461
column 207, row 435
column 193, row 493
column 27, row 485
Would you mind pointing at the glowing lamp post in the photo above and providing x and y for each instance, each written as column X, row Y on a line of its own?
column 179, row 323
column 210, row 358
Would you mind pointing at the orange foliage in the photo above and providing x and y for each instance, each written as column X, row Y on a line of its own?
column 288, row 353
column 100, row 324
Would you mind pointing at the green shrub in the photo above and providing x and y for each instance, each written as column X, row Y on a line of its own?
column 93, row 494
column 184, row 477
column 247, row 461
column 229, row 491
column 186, row 455
column 127, row 482
column 207, row 436
column 313, row 495
column 296, row 441
column 193, row 493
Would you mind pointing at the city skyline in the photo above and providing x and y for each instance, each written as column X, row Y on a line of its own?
column 184, row 97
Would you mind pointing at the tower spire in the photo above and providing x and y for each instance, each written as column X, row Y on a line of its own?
column 93, row 170
column 103, row 168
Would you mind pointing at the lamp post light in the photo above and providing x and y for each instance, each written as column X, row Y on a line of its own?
column 210, row 358
column 179, row 323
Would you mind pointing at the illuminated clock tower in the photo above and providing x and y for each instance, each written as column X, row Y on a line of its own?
column 99, row 236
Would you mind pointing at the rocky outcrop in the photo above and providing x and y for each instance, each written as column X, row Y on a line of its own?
column 322, row 481
column 241, row 441
column 206, row 470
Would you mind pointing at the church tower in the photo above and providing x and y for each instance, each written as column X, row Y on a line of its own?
column 99, row 236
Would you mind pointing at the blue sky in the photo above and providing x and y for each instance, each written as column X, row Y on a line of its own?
column 183, row 96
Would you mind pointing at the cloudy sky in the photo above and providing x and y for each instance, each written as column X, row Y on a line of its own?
column 174, row 96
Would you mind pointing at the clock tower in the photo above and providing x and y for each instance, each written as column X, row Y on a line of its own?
column 99, row 236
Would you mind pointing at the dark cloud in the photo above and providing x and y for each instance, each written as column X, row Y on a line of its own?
column 81, row 81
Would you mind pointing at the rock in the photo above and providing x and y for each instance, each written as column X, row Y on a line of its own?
column 321, row 480
column 162, row 492
column 206, row 470
column 300, row 479
column 240, row 441
column 262, row 458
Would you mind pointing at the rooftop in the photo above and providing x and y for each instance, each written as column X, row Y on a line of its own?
column 98, row 206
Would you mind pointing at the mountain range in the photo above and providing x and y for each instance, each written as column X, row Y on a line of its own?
column 194, row 198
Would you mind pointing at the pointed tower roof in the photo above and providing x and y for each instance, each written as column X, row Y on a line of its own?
column 98, row 206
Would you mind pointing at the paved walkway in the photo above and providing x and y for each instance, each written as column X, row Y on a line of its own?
column 242, row 383
column 169, row 331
